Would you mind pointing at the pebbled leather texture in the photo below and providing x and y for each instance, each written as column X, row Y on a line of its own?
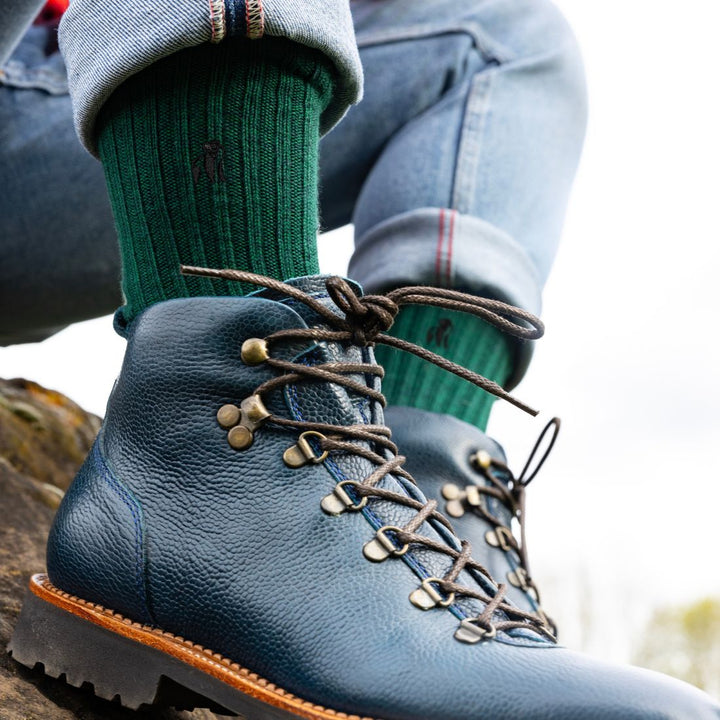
column 96, row 543
column 240, row 558
column 438, row 450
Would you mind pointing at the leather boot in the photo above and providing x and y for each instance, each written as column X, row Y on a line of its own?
column 243, row 536
column 465, row 471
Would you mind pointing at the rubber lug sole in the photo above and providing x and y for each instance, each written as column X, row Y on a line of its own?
column 139, row 666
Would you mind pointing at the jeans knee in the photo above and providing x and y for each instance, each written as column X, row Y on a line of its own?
column 539, row 30
column 535, row 34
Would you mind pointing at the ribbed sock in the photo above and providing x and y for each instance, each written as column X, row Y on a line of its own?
column 464, row 339
column 211, row 159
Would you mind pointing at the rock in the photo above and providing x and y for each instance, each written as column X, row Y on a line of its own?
column 44, row 438
column 43, row 434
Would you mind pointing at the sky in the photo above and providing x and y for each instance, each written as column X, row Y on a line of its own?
column 623, row 517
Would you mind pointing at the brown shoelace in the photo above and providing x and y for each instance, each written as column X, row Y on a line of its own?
column 511, row 493
column 364, row 324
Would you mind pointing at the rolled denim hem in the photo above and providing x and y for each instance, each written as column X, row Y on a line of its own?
column 444, row 248
column 105, row 44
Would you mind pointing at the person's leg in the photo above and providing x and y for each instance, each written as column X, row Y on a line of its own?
column 58, row 249
column 207, row 126
column 241, row 536
column 469, row 136
column 15, row 17
column 211, row 159
column 456, row 169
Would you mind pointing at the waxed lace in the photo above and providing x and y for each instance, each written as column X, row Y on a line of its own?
column 364, row 323
column 511, row 493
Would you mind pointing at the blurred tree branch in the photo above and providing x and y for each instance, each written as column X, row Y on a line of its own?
column 684, row 642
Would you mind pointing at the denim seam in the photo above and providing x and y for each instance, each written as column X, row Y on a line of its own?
column 488, row 48
column 470, row 146
column 132, row 505
column 18, row 75
column 254, row 19
column 218, row 25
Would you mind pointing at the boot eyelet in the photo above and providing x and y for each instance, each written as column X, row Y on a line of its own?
column 500, row 537
column 454, row 496
column 458, row 498
column 426, row 597
column 302, row 452
column 471, row 633
column 254, row 351
column 381, row 547
column 518, row 578
column 482, row 459
column 241, row 423
column 338, row 501
column 240, row 438
column 228, row 416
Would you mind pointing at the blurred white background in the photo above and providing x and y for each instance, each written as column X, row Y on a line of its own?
column 624, row 518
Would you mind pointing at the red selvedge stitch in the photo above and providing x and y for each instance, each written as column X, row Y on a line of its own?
column 212, row 21
column 217, row 20
column 254, row 19
column 448, row 259
column 438, row 250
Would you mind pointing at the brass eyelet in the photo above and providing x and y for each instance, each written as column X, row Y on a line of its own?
column 240, row 438
column 519, row 578
column 254, row 351
column 426, row 597
column 481, row 459
column 338, row 501
column 471, row 633
column 242, row 422
column 457, row 498
column 454, row 497
column 500, row 537
column 228, row 416
column 381, row 547
column 302, row 453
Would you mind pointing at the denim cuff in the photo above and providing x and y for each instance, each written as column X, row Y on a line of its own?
column 444, row 248
column 106, row 43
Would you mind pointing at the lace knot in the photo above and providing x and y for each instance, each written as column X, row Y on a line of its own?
column 366, row 317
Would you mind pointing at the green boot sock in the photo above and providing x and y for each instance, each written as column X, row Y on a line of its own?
column 211, row 159
column 464, row 339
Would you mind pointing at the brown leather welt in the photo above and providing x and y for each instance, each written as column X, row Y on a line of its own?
column 186, row 651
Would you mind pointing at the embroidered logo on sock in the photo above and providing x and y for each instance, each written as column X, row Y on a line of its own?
column 210, row 162
column 440, row 333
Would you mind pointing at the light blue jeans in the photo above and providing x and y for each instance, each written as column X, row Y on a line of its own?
column 15, row 16
column 455, row 168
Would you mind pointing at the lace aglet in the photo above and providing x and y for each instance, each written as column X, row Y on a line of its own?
column 521, row 405
column 200, row 271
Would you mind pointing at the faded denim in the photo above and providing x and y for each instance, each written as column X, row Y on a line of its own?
column 59, row 261
column 105, row 43
column 15, row 16
column 455, row 168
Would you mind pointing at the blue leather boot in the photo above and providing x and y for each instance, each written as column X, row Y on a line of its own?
column 243, row 537
column 465, row 471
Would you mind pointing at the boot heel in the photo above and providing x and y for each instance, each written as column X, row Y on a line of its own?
column 93, row 647
column 84, row 654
